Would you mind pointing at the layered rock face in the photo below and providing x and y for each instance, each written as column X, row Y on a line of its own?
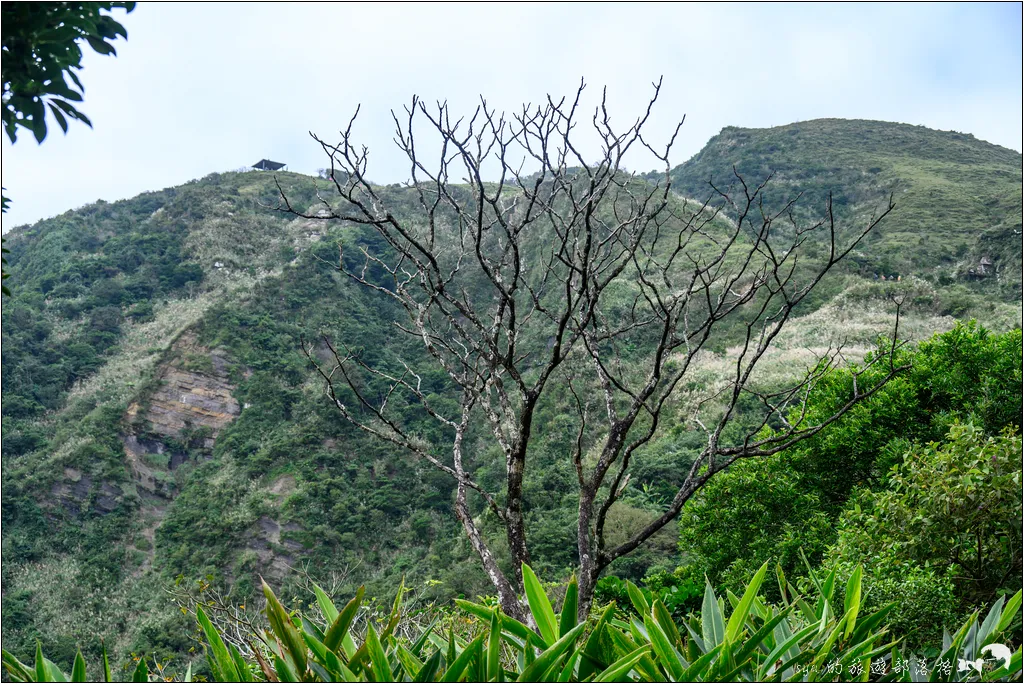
column 189, row 399
column 194, row 398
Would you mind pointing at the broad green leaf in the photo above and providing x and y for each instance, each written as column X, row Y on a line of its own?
column 668, row 656
column 617, row 670
column 381, row 668
column 494, row 649
column 664, row 619
column 410, row 663
column 540, row 606
column 221, row 664
column 285, row 630
column 78, row 669
column 424, row 637
column 569, row 607
column 697, row 669
column 510, row 625
column 711, row 618
column 696, row 641
column 429, row 670
column 833, row 636
column 241, row 667
column 637, row 598
column 739, row 615
column 18, row 670
column 828, row 587
column 342, row 621
column 41, row 674
column 459, row 665
column 781, row 649
column 327, row 608
column 852, row 602
column 780, row 576
column 598, row 652
column 545, row 660
column 1010, row 612
column 865, row 625
column 284, row 671
column 334, row 664
column 141, row 673
column 759, row 636
column 566, row 674
column 991, row 621
column 320, row 671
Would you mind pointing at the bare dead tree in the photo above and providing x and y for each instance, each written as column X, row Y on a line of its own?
column 520, row 282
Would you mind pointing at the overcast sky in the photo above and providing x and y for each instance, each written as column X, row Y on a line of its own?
column 200, row 88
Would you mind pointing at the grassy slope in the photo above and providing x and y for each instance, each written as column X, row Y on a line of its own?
column 958, row 198
column 363, row 509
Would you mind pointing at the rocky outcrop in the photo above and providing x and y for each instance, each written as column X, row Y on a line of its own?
column 194, row 396
column 188, row 398
column 192, row 401
column 75, row 490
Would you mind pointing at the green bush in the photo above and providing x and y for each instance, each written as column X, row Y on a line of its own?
column 813, row 637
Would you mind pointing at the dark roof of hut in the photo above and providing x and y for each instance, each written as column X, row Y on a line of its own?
column 267, row 165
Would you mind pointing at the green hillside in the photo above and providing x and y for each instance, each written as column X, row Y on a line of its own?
column 160, row 424
column 958, row 198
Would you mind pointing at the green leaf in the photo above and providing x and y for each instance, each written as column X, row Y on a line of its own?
column 780, row 576
column 546, row 659
column 459, row 665
column 101, row 46
column 569, row 607
column 617, row 670
column 284, row 671
column 781, row 649
column 698, row 668
column 510, row 625
column 141, row 673
column 712, row 623
column 664, row 619
column 760, row 635
column 666, row 651
column 833, row 636
column 78, row 669
column 851, row 604
column 221, row 664
column 327, row 608
column 41, row 674
column 597, row 653
column 429, row 670
column 106, row 663
column 63, row 122
column 566, row 674
column 18, row 671
column 637, row 598
column 410, row 663
column 540, row 606
column 494, row 649
column 342, row 621
column 865, row 625
column 282, row 625
column 381, row 668
column 241, row 667
column 739, row 615
column 1010, row 612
